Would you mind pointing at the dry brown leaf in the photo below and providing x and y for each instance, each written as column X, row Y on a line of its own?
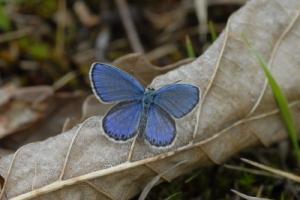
column 156, row 180
column 237, row 111
column 4, row 152
column 60, row 107
column 22, row 107
column 139, row 66
column 91, row 107
column 6, row 93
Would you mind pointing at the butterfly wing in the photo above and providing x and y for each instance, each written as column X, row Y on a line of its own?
column 177, row 99
column 160, row 128
column 110, row 84
column 122, row 121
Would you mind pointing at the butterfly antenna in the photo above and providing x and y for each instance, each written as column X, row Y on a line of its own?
column 177, row 81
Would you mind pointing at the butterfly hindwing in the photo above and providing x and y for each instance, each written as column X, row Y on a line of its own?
column 111, row 84
column 122, row 121
column 160, row 128
column 177, row 99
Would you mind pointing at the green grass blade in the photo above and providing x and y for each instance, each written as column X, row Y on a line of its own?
column 281, row 100
column 212, row 31
column 176, row 195
column 194, row 175
column 189, row 47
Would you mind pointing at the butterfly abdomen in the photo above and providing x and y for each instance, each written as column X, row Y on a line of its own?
column 143, row 121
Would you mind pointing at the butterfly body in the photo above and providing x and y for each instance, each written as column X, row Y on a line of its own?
column 147, row 112
column 148, row 100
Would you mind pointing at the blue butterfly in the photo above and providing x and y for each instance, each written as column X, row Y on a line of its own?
column 139, row 110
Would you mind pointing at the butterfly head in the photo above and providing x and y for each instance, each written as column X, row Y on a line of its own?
column 148, row 96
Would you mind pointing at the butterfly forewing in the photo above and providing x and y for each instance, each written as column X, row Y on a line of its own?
column 111, row 84
column 122, row 121
column 160, row 128
column 177, row 99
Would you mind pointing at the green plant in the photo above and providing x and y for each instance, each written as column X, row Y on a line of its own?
column 212, row 31
column 189, row 47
